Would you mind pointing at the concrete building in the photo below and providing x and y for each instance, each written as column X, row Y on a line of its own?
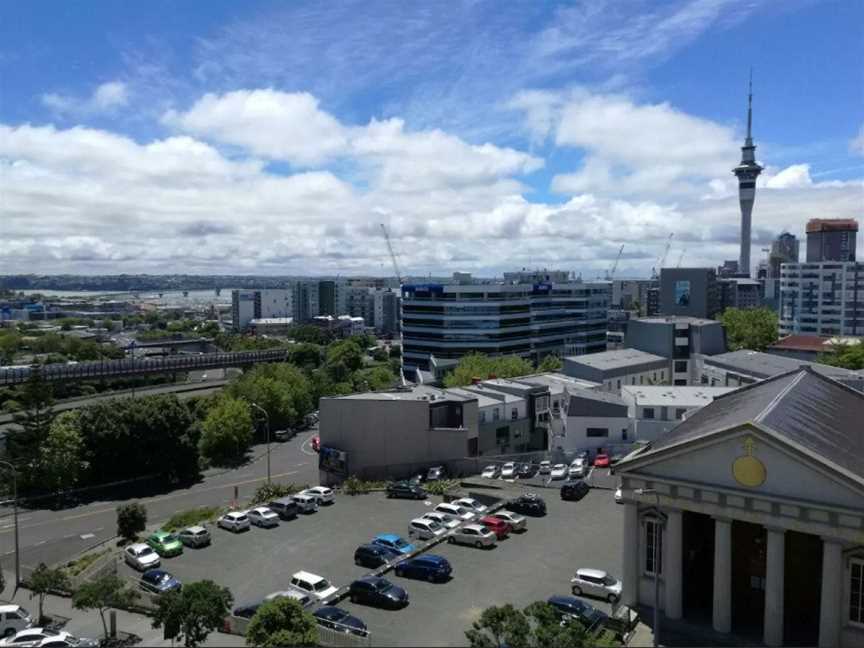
column 755, row 505
column 689, row 292
column 327, row 298
column 784, row 249
column 528, row 320
column 627, row 294
column 271, row 325
column 595, row 421
column 612, row 369
column 247, row 305
column 650, row 307
column 306, row 306
column 825, row 299
column 538, row 406
column 655, row 410
column 616, row 328
column 502, row 420
column 831, row 239
column 737, row 292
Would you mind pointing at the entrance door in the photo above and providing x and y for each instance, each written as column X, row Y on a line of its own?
column 698, row 567
column 802, row 588
column 748, row 578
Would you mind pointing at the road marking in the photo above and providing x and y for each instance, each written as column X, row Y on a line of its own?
column 68, row 536
column 87, row 536
column 41, row 542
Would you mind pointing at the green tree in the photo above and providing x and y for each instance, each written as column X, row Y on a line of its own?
column 500, row 627
column 550, row 363
column 32, row 424
column 195, row 611
column 282, row 622
column 479, row 365
column 306, row 355
column 750, row 328
column 103, row 594
column 848, row 356
column 281, row 389
column 376, row 378
column 42, row 582
column 131, row 520
column 349, row 352
column 61, row 457
column 226, row 433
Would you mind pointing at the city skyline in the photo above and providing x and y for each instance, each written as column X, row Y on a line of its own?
column 274, row 141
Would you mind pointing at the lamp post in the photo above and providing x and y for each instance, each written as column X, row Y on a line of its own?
column 267, row 419
column 651, row 491
column 15, row 516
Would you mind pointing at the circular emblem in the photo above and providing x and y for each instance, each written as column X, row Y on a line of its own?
column 748, row 470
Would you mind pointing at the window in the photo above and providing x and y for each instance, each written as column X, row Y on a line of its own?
column 654, row 377
column 623, row 434
column 496, row 415
column 597, row 432
column 641, row 379
column 653, row 537
column 679, row 413
column 514, row 414
column 856, row 591
column 502, row 435
column 482, row 417
column 648, row 412
column 680, row 366
column 619, row 383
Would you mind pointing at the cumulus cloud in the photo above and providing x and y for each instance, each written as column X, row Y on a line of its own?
column 107, row 97
column 856, row 145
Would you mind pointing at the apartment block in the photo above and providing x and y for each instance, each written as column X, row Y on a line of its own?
column 825, row 298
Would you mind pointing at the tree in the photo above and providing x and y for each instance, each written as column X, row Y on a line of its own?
column 395, row 351
column 348, row 352
column 498, row 627
column 33, row 423
column 103, row 594
column 550, row 363
column 131, row 520
column 61, row 457
column 376, row 378
column 226, row 433
column 195, row 611
column 479, row 365
column 282, row 622
column 750, row 328
column 43, row 581
column 848, row 356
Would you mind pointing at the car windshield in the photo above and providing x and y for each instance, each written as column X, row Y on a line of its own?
column 433, row 525
column 399, row 542
column 169, row 538
column 383, row 585
column 608, row 580
column 240, row 518
column 146, row 551
column 321, row 585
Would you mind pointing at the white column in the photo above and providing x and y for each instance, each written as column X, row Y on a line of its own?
column 630, row 575
column 775, row 564
column 832, row 590
column 722, row 575
column 672, row 563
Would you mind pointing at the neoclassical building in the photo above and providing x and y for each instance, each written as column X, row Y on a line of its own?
column 756, row 504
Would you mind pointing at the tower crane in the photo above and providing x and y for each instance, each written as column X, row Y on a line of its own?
column 662, row 259
column 681, row 257
column 392, row 253
column 398, row 304
column 610, row 275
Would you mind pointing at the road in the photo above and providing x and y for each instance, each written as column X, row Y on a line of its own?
column 52, row 536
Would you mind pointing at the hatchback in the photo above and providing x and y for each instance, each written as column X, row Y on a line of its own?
column 373, row 555
column 165, row 544
column 377, row 591
column 491, row 472
column 235, row 521
column 574, row 490
column 517, row 522
column 393, row 541
column 158, row 581
column 601, row 461
column 473, row 534
column 285, row 507
column 141, row 556
column 526, row 471
column 508, row 470
column 261, row 516
column 455, row 510
column 499, row 527
column 338, row 619
column 13, row 618
column 470, row 504
column 313, row 585
column 545, row 467
column 195, row 536
column 426, row 567
column 425, row 529
column 597, row 583
column 33, row 637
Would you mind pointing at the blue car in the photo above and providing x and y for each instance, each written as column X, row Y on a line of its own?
column 428, row 567
column 158, row 581
column 393, row 541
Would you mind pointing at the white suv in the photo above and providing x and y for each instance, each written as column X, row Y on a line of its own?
column 455, row 510
column 323, row 494
column 312, row 584
column 13, row 618
column 597, row 583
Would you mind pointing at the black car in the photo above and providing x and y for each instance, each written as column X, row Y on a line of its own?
column 373, row 556
column 572, row 607
column 377, row 591
column 574, row 490
column 338, row 619
column 406, row 490
column 527, row 505
column 426, row 567
column 247, row 611
column 526, row 471
column 285, row 507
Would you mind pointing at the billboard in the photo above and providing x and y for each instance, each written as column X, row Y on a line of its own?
column 682, row 293
column 333, row 461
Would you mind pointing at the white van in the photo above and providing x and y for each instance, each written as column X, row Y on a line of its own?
column 13, row 618
column 306, row 503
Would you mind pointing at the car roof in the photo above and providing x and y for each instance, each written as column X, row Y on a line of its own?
column 421, row 519
column 12, row 607
column 428, row 557
column 594, row 573
column 195, row 529
column 392, row 537
column 160, row 534
column 567, row 600
column 477, row 527
column 138, row 546
column 330, row 611
column 155, row 573
column 307, row 576
column 370, row 579
column 235, row 513
column 262, row 509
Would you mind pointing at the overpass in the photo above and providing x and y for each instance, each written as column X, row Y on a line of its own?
column 139, row 366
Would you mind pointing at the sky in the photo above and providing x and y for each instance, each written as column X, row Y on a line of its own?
column 275, row 138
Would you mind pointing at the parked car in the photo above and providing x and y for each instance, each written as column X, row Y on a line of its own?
column 508, row 470
column 545, row 467
column 34, row 637
column 435, row 473
column 619, row 496
column 373, row 555
column 303, row 598
column 444, row 519
column 527, row 505
column 285, row 507
column 165, row 544
column 314, row 585
column 141, row 556
column 261, row 516
column 425, row 529
column 426, row 567
column 393, row 541
column 517, row 522
column 499, row 527
column 316, row 443
column 377, row 591
column 526, row 471
column 577, row 468
column 574, row 490
column 235, row 521
column 455, row 510
column 491, row 472
column 284, row 435
column 305, row 503
column 195, row 536
column 559, row 471
column 13, row 618
column 601, row 461
column 473, row 534
column 323, row 494
column 470, row 504
column 338, row 619
column 246, row 611
column 406, row 490
column 158, row 581
column 597, row 583
column 570, row 607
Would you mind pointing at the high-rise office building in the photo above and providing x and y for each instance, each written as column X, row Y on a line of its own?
column 247, row 305
column 747, row 172
column 306, row 305
column 831, row 239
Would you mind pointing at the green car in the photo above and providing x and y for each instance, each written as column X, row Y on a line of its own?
column 165, row 544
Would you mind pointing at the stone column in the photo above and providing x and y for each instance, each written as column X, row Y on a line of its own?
column 775, row 565
column 830, row 609
column 630, row 562
column 673, row 563
column 722, row 575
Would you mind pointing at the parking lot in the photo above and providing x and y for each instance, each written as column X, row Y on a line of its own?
column 521, row 569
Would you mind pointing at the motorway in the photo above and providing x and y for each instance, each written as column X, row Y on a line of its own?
column 52, row 536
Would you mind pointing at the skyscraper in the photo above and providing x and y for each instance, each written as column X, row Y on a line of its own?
column 747, row 172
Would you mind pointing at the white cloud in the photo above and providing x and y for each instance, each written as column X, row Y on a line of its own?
column 105, row 98
column 856, row 145
column 110, row 95
column 792, row 177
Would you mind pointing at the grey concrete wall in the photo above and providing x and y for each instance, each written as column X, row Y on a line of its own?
column 489, row 436
column 701, row 303
column 656, row 337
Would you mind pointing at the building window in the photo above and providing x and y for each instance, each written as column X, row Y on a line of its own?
column 641, row 380
column 597, row 432
column 856, row 591
column 679, row 413
column 514, row 413
column 648, row 412
column 653, row 537
column 655, row 377
column 482, row 417
column 624, row 434
column 502, row 436
column 619, row 383
column 680, row 366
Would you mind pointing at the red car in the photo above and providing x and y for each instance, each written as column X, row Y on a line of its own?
column 499, row 527
column 316, row 444
column 601, row 461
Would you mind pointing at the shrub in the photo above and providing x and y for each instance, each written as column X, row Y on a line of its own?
column 354, row 486
column 131, row 520
column 441, row 487
column 191, row 517
column 274, row 490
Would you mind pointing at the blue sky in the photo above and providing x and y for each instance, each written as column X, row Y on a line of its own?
column 272, row 137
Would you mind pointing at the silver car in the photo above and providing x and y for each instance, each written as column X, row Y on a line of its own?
column 262, row 516
column 195, row 536
column 476, row 535
column 306, row 503
column 141, row 556
column 597, row 583
column 235, row 521
column 444, row 519
column 517, row 522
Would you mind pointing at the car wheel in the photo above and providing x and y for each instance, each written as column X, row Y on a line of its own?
column 577, row 591
column 451, row 540
column 358, row 562
column 353, row 598
column 611, row 598
column 400, row 573
column 478, row 544
column 431, row 578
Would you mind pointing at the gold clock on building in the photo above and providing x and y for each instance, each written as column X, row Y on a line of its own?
column 748, row 470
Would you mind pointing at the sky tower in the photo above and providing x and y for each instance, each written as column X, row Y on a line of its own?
column 747, row 172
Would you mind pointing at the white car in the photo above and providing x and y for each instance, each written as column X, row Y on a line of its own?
column 597, row 583
column 13, row 618
column 323, row 494
column 473, row 534
column 559, row 471
column 235, row 521
column 545, row 467
column 455, row 510
column 517, row 522
column 508, row 470
column 444, row 519
column 33, row 637
column 312, row 584
column 264, row 517
column 490, row 472
column 577, row 468
column 305, row 503
column 470, row 504
column 425, row 529
column 141, row 557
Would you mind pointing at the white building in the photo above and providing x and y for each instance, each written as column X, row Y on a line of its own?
column 596, row 420
column 825, row 298
column 247, row 305
column 654, row 410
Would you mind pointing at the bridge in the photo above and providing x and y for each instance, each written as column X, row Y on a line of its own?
column 139, row 366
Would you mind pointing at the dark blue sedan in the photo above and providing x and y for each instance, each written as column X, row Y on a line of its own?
column 575, row 608
column 338, row 619
column 426, row 567
column 158, row 581
column 377, row 591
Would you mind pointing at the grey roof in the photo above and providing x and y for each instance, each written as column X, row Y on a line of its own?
column 599, row 396
column 589, row 402
column 417, row 392
column 675, row 319
column 617, row 359
column 765, row 365
column 803, row 407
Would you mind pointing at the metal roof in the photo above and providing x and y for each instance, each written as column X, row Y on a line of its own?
column 616, row 359
column 765, row 365
column 673, row 395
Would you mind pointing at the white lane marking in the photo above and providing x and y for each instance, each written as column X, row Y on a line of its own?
column 310, row 452
column 87, row 536
column 68, row 536
column 41, row 542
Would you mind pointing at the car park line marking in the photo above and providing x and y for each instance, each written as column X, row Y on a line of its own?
column 87, row 536
column 310, row 452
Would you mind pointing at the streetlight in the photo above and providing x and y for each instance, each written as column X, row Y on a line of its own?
column 267, row 419
column 651, row 491
column 15, row 515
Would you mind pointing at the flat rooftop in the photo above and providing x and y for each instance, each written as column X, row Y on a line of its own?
column 675, row 319
column 417, row 392
column 660, row 395
column 616, row 359
column 482, row 399
column 767, row 364
column 558, row 380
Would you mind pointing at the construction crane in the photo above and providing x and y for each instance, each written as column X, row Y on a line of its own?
column 392, row 253
column 681, row 257
column 399, row 279
column 662, row 260
column 610, row 275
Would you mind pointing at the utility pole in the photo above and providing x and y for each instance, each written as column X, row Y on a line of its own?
column 267, row 421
